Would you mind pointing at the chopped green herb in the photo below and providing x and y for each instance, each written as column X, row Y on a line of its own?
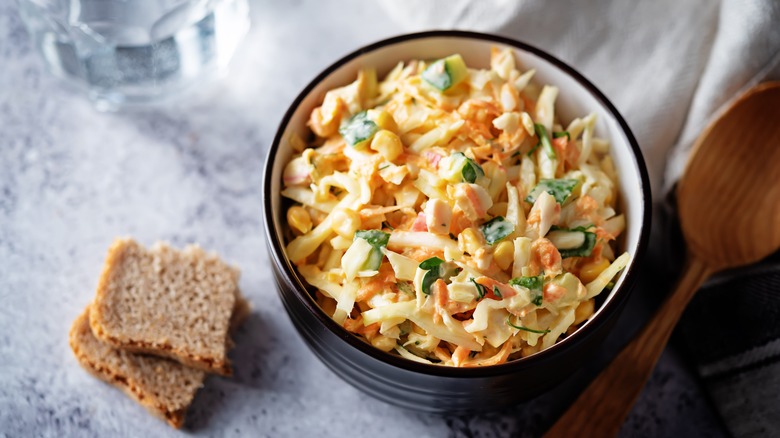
column 560, row 189
column 431, row 263
column 496, row 229
column 433, row 266
column 387, row 225
column 358, row 130
column 560, row 134
column 437, row 269
column 497, row 293
column 584, row 250
column 384, row 167
column 533, row 284
column 544, row 139
column 429, row 278
column 520, row 327
column 481, row 290
column 610, row 286
column 533, row 149
column 516, row 154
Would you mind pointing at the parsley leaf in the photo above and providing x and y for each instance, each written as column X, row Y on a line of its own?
column 481, row 290
column 560, row 189
column 533, row 284
column 544, row 139
column 520, row 327
column 431, row 263
column 496, row 229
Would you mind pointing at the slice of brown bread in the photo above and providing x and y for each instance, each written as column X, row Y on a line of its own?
column 163, row 386
column 166, row 302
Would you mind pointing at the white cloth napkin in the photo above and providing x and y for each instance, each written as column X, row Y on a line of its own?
column 669, row 66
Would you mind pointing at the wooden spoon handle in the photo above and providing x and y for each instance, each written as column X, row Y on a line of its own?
column 601, row 409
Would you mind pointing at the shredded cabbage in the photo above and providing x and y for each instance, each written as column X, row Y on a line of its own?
column 454, row 182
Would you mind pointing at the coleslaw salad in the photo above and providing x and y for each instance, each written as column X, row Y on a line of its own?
column 447, row 215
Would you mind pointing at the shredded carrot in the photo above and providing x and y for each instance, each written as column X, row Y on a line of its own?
column 473, row 198
column 460, row 356
column 440, row 293
column 459, row 222
column 545, row 258
column 499, row 358
column 377, row 283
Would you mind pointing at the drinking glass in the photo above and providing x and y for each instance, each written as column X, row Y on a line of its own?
column 133, row 52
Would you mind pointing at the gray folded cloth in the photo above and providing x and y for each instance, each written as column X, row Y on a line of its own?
column 732, row 329
column 670, row 67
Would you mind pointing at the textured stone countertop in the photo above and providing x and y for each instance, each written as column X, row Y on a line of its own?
column 71, row 179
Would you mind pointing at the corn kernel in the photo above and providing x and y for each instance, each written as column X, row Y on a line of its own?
column 591, row 270
column 299, row 219
column 345, row 223
column 387, row 144
column 383, row 120
column 583, row 311
column 504, row 254
column 383, row 342
column 469, row 241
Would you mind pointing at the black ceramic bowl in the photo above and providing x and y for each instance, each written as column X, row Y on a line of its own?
column 436, row 388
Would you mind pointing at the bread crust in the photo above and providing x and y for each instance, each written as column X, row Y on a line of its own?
column 91, row 361
column 160, row 347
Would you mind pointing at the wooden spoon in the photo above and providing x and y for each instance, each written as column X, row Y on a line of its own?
column 729, row 203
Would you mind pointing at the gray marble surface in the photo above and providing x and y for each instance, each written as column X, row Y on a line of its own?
column 72, row 179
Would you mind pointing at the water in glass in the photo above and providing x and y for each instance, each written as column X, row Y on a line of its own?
column 127, row 52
